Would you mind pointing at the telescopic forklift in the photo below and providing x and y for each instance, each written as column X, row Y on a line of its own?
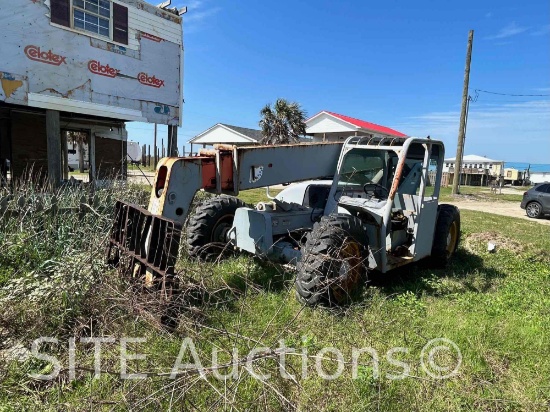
column 369, row 203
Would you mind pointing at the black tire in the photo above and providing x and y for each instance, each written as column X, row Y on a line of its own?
column 533, row 210
column 334, row 261
column 447, row 234
column 207, row 227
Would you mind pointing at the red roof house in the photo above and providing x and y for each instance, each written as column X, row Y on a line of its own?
column 329, row 126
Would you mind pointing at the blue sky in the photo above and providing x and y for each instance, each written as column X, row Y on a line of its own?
column 395, row 63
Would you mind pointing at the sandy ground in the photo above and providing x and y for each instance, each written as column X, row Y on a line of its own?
column 511, row 209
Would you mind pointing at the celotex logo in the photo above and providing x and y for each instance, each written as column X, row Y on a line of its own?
column 147, row 80
column 103, row 70
column 49, row 57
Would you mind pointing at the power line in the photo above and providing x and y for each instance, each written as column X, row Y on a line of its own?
column 511, row 94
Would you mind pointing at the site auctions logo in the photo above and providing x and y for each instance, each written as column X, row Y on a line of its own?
column 34, row 53
column 103, row 70
column 145, row 79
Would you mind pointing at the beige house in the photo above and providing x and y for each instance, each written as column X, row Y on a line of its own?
column 476, row 170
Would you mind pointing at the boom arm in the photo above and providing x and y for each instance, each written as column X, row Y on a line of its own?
column 228, row 169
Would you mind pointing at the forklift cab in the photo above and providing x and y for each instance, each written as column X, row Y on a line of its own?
column 387, row 183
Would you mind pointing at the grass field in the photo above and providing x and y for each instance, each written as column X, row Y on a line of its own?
column 483, row 193
column 493, row 306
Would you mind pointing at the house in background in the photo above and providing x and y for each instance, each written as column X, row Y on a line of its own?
column 227, row 134
column 330, row 127
column 476, row 170
column 531, row 173
column 513, row 176
column 323, row 127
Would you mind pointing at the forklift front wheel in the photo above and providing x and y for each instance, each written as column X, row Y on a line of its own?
column 333, row 261
column 208, row 227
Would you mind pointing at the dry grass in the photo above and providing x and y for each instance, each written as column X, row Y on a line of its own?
column 493, row 306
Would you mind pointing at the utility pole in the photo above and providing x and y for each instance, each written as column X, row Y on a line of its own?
column 463, row 117
column 155, row 160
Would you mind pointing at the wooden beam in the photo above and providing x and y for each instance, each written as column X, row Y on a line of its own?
column 91, row 156
column 64, row 150
column 53, row 137
column 80, row 154
column 172, row 141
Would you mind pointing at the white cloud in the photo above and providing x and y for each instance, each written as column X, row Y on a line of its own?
column 508, row 31
column 513, row 131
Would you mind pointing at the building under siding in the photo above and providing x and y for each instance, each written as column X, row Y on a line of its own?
column 95, row 64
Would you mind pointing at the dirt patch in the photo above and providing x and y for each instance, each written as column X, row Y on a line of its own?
column 511, row 209
column 476, row 240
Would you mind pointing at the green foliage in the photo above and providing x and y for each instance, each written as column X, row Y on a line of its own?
column 283, row 123
column 481, row 193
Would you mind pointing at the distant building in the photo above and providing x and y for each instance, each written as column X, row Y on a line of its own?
column 531, row 172
column 231, row 135
column 329, row 127
column 513, row 176
column 476, row 170
column 227, row 134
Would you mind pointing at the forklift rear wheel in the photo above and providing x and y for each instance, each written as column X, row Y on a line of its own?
column 333, row 261
column 447, row 234
column 208, row 227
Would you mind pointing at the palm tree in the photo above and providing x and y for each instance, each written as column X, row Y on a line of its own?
column 282, row 123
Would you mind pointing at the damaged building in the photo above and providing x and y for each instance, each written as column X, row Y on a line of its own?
column 84, row 68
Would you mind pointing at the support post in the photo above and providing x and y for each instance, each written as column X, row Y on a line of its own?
column 80, row 144
column 172, row 141
column 64, row 150
column 463, row 113
column 91, row 157
column 155, row 160
column 148, row 155
column 53, row 138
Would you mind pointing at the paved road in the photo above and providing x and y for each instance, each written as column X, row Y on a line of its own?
column 511, row 209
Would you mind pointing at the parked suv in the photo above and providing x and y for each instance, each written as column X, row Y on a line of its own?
column 536, row 201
